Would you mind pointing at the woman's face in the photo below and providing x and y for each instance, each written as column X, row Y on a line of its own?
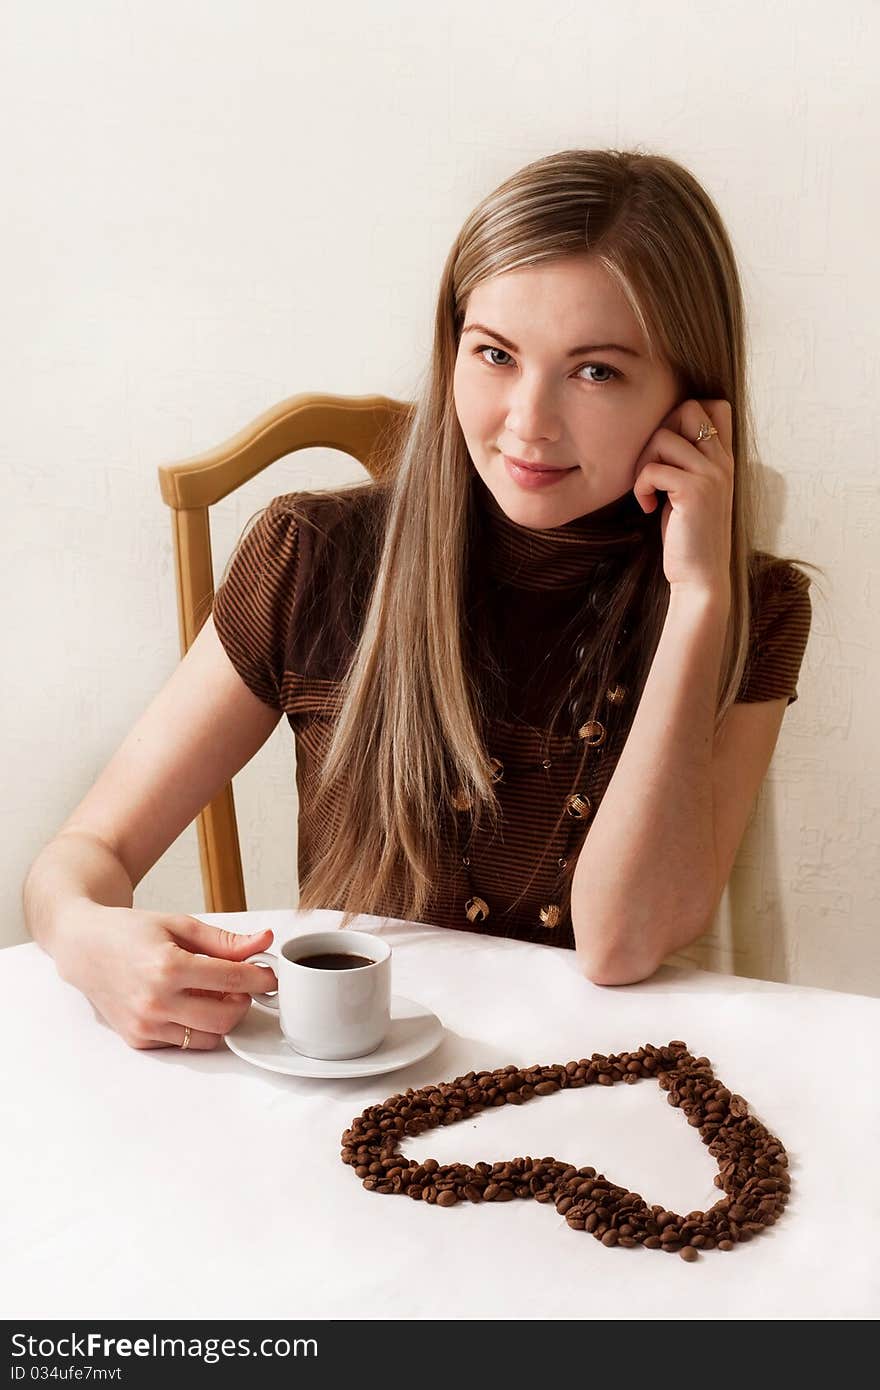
column 522, row 393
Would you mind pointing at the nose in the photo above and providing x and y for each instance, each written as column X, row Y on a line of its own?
column 532, row 416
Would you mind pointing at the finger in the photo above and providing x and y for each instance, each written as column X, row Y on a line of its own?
column 659, row 477
column 696, row 414
column 223, row 976
column 681, row 448
column 720, row 413
column 667, row 448
column 195, row 935
column 173, row 1035
column 208, row 1015
column 687, row 416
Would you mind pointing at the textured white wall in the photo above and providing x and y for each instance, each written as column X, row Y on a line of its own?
column 211, row 206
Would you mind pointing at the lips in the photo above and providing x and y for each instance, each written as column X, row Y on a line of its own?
column 537, row 467
column 531, row 477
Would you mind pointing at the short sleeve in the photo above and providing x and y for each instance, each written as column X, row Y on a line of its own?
column 253, row 606
column 781, row 618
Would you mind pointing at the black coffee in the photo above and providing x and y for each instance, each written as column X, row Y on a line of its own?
column 334, row 961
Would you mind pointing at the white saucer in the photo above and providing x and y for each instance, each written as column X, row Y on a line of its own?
column 415, row 1031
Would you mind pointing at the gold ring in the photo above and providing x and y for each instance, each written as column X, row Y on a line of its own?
column 187, row 1033
column 706, row 432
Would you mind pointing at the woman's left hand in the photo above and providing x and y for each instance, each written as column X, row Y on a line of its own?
column 697, row 520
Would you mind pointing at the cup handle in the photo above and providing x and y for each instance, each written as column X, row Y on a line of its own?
column 265, row 1001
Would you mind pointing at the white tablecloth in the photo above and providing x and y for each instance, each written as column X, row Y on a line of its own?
column 162, row 1183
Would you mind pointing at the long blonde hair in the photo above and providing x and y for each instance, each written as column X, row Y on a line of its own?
column 410, row 732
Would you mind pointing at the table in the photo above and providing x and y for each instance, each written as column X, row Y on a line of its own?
column 161, row 1183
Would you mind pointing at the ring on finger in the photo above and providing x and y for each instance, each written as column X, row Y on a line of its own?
column 706, row 432
column 187, row 1034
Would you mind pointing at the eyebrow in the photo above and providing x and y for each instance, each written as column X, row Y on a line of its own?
column 572, row 352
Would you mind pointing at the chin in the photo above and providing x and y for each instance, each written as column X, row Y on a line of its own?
column 540, row 510
column 538, row 518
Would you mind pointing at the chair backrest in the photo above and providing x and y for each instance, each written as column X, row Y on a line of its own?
column 366, row 427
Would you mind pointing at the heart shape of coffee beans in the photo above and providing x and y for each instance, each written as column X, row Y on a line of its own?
column 752, row 1163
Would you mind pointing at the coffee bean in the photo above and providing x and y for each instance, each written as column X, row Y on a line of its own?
column 688, row 1253
column 753, row 1165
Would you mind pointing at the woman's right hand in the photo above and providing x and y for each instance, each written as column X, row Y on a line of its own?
column 152, row 974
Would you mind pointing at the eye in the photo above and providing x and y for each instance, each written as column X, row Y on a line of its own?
column 586, row 366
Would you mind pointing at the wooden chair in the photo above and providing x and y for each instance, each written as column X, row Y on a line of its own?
column 366, row 427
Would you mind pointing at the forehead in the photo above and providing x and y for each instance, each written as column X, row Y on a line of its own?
column 575, row 298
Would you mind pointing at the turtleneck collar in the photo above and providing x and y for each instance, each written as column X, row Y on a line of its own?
column 559, row 557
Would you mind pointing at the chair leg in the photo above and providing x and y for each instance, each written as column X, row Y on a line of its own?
column 220, row 855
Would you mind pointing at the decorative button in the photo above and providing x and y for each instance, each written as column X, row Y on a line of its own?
column 550, row 915
column 546, row 763
column 562, row 863
column 593, row 732
column 461, row 801
column 477, row 910
column 617, row 695
column 579, row 806
column 496, row 769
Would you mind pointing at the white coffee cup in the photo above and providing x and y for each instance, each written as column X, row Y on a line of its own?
column 330, row 1013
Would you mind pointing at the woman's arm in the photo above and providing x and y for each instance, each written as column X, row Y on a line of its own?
column 645, row 880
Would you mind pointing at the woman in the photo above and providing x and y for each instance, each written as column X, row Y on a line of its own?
column 527, row 701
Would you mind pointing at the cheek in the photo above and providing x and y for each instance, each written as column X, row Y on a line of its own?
column 472, row 405
column 460, row 394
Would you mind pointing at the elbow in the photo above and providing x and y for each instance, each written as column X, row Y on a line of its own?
column 608, row 955
column 618, row 968
column 628, row 963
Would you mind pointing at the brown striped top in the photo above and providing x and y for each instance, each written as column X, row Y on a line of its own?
column 289, row 614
